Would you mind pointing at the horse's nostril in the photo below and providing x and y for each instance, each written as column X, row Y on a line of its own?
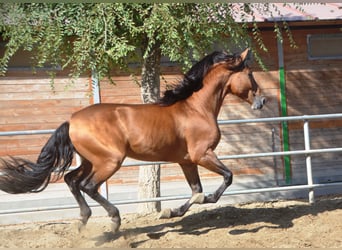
column 263, row 100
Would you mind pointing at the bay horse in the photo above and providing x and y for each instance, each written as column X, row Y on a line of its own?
column 181, row 128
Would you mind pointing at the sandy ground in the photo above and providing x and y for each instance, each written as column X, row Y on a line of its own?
column 271, row 224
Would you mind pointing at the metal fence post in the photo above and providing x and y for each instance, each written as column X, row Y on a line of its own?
column 308, row 161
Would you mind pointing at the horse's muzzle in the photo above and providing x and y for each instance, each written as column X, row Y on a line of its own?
column 258, row 102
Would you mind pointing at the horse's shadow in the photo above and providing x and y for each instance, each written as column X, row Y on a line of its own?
column 233, row 219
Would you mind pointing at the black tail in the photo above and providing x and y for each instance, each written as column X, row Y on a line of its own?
column 22, row 176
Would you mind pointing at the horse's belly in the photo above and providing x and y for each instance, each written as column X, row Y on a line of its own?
column 170, row 154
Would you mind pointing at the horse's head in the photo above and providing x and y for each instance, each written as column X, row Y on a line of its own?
column 242, row 83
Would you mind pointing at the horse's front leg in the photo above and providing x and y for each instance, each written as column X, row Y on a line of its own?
column 209, row 161
column 212, row 163
column 191, row 174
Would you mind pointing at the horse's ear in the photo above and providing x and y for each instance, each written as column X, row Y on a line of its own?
column 245, row 55
column 240, row 61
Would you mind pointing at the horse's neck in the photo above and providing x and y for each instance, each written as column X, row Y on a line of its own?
column 210, row 97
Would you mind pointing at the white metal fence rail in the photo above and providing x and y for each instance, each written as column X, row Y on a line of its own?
column 310, row 186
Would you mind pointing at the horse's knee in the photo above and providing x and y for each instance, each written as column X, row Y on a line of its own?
column 228, row 177
column 89, row 187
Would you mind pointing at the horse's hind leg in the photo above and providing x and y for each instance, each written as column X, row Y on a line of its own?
column 91, row 186
column 73, row 180
column 191, row 174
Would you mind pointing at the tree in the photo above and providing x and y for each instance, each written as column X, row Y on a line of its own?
column 85, row 37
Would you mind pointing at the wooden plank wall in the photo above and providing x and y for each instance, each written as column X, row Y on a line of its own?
column 28, row 102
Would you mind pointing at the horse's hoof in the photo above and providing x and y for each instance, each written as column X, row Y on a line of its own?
column 197, row 198
column 81, row 226
column 115, row 227
column 116, row 223
column 165, row 214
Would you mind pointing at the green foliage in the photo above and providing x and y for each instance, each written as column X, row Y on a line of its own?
column 87, row 36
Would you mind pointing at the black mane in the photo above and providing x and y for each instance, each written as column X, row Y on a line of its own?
column 192, row 80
